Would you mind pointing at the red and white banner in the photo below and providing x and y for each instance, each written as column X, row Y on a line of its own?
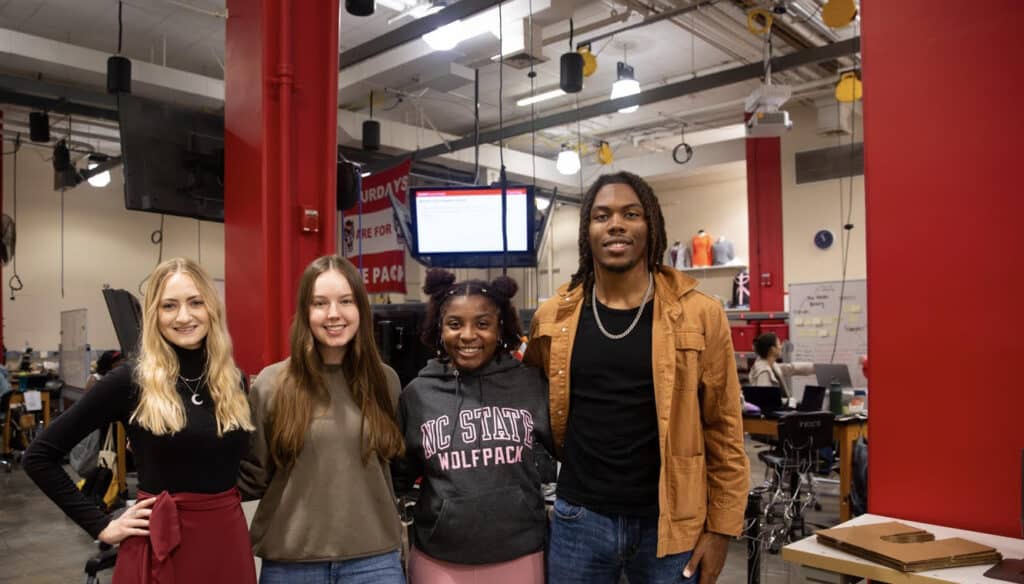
column 374, row 233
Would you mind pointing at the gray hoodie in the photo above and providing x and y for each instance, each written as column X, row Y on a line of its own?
column 472, row 437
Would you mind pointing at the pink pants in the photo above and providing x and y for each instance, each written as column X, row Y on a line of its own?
column 424, row 569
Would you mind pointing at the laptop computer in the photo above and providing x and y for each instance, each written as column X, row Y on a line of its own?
column 813, row 400
column 766, row 397
column 827, row 373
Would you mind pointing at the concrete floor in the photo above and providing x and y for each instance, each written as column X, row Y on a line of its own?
column 39, row 545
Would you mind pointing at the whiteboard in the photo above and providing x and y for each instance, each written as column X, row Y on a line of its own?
column 74, row 347
column 819, row 324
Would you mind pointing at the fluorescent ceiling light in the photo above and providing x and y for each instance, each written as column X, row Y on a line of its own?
column 512, row 14
column 416, row 11
column 396, row 5
column 542, row 203
column 539, row 97
column 448, row 36
column 568, row 161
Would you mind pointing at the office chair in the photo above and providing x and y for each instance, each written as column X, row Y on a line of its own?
column 104, row 560
column 788, row 468
column 55, row 387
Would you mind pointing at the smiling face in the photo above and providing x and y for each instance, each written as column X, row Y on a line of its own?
column 470, row 330
column 333, row 316
column 618, row 230
column 184, row 320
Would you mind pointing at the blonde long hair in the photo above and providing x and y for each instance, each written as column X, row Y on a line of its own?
column 302, row 381
column 160, row 408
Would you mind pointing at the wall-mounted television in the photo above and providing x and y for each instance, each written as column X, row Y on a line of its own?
column 173, row 159
column 460, row 227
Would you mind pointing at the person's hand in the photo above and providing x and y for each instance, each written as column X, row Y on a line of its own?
column 709, row 554
column 134, row 521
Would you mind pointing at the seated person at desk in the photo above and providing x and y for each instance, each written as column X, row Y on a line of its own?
column 767, row 371
column 107, row 361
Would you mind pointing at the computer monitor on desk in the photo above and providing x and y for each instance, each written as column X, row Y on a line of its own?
column 813, row 400
column 832, row 372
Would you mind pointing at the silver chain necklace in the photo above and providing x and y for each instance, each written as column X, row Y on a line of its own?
column 639, row 312
column 193, row 390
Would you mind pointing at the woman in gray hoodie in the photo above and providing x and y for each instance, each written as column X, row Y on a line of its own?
column 472, row 421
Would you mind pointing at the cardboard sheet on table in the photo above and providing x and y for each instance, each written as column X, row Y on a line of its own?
column 907, row 548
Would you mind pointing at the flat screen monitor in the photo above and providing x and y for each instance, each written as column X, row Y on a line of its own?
column 460, row 227
column 173, row 159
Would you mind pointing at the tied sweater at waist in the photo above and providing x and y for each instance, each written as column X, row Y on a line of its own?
column 193, row 537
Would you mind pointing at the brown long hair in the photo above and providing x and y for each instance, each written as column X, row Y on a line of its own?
column 302, row 386
column 657, row 241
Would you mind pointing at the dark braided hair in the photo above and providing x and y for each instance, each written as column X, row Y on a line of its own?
column 441, row 287
column 657, row 241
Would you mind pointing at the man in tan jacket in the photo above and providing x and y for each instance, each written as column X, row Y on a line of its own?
column 645, row 405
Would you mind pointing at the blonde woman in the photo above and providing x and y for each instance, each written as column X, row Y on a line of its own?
column 325, row 431
column 188, row 421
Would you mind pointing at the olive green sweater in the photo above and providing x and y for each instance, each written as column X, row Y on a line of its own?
column 328, row 506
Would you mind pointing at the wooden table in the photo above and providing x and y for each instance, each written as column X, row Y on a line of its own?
column 846, row 430
column 17, row 398
column 808, row 552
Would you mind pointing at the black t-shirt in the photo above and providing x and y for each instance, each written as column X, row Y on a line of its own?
column 611, row 458
column 194, row 460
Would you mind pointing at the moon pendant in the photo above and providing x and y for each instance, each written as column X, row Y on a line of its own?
column 196, row 400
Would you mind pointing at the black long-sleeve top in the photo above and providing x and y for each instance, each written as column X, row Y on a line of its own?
column 194, row 460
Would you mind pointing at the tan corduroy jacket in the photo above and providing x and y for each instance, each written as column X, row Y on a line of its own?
column 704, row 470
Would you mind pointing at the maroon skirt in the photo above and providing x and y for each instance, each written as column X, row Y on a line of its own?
column 193, row 538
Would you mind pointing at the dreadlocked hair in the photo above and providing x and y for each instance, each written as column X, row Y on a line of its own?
column 441, row 287
column 657, row 241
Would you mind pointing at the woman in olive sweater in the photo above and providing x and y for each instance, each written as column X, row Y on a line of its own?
column 325, row 431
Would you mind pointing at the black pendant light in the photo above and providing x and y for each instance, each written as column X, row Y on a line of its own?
column 359, row 7
column 571, row 78
column 371, row 130
column 119, row 69
column 39, row 126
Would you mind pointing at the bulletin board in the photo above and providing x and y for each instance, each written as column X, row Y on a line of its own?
column 820, row 321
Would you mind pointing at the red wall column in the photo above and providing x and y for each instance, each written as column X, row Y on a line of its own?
column 945, row 260
column 764, row 214
column 3, row 356
column 280, row 135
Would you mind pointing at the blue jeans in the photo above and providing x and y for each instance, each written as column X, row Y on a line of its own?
column 382, row 569
column 590, row 548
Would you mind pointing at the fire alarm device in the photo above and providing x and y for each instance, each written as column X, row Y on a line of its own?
column 310, row 221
